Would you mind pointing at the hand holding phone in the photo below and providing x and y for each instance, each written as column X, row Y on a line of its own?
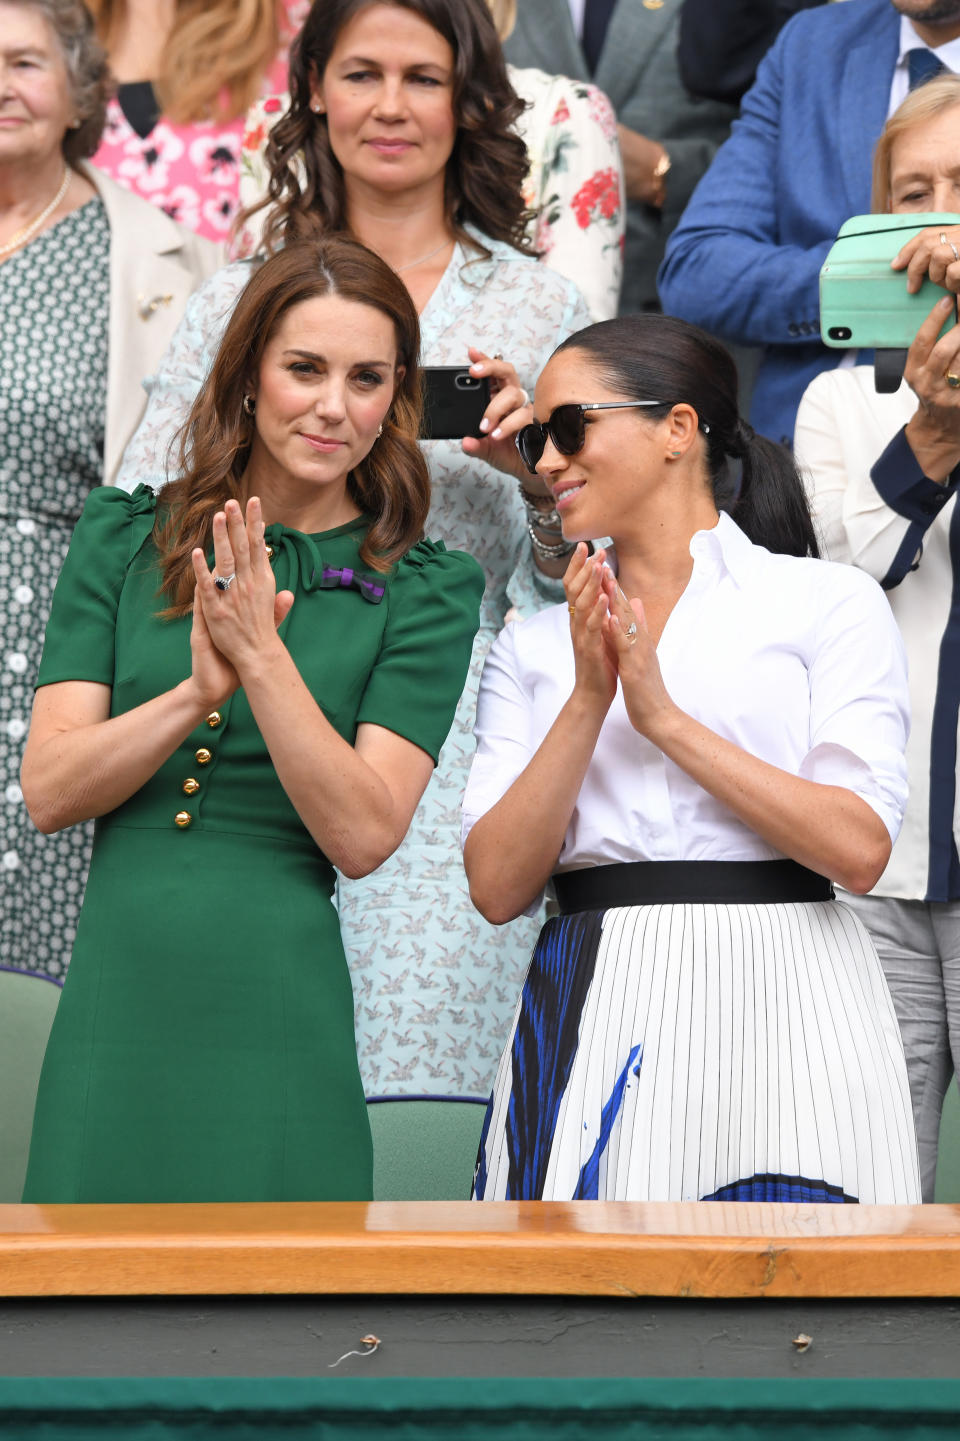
column 509, row 410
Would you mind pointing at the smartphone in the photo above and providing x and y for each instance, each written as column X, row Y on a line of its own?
column 864, row 304
column 453, row 402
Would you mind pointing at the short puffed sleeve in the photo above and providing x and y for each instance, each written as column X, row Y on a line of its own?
column 434, row 613
column 80, row 636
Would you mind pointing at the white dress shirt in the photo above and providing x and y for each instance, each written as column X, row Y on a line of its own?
column 797, row 661
column 876, row 510
column 577, row 8
column 948, row 55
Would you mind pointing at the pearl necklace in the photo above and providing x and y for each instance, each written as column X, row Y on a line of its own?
column 429, row 256
column 30, row 230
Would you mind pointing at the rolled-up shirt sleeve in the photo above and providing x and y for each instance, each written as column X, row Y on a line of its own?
column 859, row 702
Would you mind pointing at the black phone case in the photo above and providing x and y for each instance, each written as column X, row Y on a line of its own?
column 453, row 402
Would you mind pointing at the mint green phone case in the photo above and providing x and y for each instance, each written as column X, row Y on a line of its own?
column 864, row 304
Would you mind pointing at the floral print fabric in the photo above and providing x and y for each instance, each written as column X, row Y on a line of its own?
column 191, row 171
column 574, row 183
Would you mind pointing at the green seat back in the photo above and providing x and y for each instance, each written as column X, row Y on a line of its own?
column 948, row 1156
column 27, row 1006
column 424, row 1150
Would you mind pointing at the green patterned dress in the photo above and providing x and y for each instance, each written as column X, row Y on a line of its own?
column 203, row 1049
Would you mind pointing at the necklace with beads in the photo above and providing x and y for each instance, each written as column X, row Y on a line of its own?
column 411, row 264
column 30, row 230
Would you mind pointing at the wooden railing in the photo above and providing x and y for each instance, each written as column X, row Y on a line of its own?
column 583, row 1248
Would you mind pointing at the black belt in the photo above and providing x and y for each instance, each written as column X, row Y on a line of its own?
column 642, row 883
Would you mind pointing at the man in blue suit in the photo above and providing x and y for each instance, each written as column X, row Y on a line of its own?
column 745, row 259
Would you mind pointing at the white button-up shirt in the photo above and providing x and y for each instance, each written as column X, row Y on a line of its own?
column 796, row 661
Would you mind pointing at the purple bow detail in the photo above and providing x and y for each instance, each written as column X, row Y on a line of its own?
column 371, row 587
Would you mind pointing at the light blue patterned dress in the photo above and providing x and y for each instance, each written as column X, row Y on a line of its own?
column 435, row 985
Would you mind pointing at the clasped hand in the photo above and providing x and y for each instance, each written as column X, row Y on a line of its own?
column 611, row 642
column 235, row 627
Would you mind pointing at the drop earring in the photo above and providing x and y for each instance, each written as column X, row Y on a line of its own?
column 249, row 404
column 379, row 430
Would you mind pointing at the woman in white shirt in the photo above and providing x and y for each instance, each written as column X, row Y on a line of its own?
column 702, row 1020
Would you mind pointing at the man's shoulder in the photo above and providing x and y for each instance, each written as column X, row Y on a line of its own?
column 835, row 24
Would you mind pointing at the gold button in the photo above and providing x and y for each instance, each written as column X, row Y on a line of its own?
column 214, row 719
column 270, row 552
column 190, row 786
column 182, row 819
column 203, row 757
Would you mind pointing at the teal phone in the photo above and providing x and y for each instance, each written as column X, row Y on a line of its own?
column 864, row 304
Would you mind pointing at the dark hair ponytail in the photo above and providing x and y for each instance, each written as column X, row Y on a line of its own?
column 649, row 356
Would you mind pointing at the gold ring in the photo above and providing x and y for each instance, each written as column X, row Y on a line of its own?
column 952, row 379
column 572, row 609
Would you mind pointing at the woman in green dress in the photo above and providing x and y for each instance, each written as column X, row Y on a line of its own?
column 247, row 683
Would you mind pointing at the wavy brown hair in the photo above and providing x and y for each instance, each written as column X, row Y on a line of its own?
column 485, row 171
column 391, row 484
column 215, row 57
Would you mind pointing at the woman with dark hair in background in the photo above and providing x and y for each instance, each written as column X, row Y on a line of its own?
column 399, row 131
column 248, row 684
column 702, row 1021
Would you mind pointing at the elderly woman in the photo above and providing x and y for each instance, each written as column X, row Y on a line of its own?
column 92, row 284
column 883, row 471
column 413, row 152
column 703, row 1020
column 248, row 683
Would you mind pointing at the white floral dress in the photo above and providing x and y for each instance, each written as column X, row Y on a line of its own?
column 435, row 985
column 574, row 184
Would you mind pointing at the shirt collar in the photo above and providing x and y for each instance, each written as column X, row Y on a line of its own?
column 724, row 545
column 949, row 54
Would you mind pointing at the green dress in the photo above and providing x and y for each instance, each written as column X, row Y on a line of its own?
column 203, row 1049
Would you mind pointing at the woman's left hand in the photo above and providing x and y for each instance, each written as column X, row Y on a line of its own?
column 508, row 412
column 242, row 620
column 644, row 692
column 933, row 254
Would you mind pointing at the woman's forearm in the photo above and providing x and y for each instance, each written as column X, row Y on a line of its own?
column 512, row 851
column 76, row 768
column 347, row 807
column 827, row 828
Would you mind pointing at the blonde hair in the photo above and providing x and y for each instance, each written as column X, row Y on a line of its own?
column 214, row 59
column 923, row 104
column 504, row 14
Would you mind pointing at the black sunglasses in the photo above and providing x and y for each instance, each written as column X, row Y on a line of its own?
column 566, row 429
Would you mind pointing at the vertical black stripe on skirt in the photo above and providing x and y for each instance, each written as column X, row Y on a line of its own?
column 560, row 975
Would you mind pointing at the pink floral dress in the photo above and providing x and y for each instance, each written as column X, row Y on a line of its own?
column 191, row 171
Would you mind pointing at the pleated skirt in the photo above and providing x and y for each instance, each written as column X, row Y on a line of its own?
column 702, row 1052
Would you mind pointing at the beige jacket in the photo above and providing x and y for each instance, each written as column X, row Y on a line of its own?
column 155, row 265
